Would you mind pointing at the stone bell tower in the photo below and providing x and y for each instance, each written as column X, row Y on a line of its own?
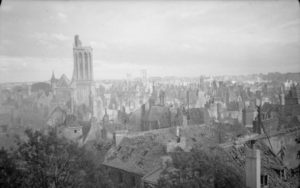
column 83, row 62
column 83, row 78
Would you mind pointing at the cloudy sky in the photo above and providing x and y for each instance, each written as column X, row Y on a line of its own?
column 165, row 37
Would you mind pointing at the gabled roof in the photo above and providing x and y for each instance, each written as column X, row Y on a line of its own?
column 57, row 117
column 63, row 82
column 141, row 153
column 92, row 131
column 53, row 79
column 153, row 176
column 137, row 155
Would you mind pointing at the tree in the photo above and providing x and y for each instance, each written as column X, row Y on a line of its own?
column 45, row 160
column 201, row 168
column 9, row 174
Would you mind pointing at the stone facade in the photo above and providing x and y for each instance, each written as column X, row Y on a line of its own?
column 83, row 64
column 83, row 78
column 78, row 96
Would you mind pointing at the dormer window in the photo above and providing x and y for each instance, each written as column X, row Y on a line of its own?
column 120, row 177
column 133, row 181
column 264, row 180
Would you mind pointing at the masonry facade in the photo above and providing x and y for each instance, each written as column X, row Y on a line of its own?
column 83, row 78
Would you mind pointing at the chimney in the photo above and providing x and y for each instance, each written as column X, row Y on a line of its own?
column 143, row 110
column 218, row 111
column 178, row 134
column 188, row 106
column 282, row 99
column 258, row 122
column 184, row 121
column 153, row 87
column 244, row 116
column 253, row 168
column 188, row 99
column 162, row 98
column 143, row 116
column 178, row 131
column 105, row 118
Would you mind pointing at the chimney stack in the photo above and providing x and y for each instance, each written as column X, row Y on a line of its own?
column 143, row 116
column 253, row 168
column 162, row 98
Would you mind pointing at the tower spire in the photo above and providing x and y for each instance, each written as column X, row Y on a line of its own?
column 53, row 76
column 53, row 79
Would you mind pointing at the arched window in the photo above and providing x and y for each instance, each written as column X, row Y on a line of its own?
column 87, row 71
column 80, row 66
column 91, row 64
column 77, row 65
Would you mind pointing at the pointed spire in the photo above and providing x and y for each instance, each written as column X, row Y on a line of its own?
column 53, row 79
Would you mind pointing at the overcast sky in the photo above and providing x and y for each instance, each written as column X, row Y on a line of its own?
column 166, row 38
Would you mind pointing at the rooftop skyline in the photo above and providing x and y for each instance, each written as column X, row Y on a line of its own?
column 166, row 38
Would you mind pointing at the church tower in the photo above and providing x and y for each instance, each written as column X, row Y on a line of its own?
column 83, row 78
column 83, row 64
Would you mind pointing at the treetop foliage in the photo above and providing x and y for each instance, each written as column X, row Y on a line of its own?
column 46, row 160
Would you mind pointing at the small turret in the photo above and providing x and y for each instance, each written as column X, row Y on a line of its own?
column 53, row 80
column 105, row 117
column 77, row 42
